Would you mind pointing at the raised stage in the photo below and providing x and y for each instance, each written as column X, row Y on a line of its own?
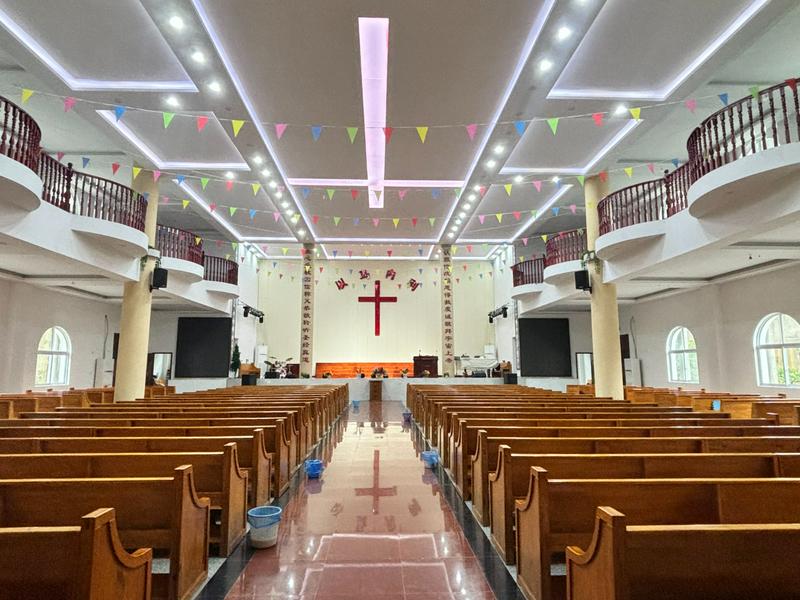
column 345, row 370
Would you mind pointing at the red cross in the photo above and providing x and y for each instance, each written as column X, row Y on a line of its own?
column 376, row 491
column 377, row 299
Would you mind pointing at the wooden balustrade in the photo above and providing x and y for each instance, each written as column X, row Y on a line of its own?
column 177, row 243
column 565, row 246
column 90, row 196
column 528, row 271
column 221, row 270
column 20, row 137
column 753, row 124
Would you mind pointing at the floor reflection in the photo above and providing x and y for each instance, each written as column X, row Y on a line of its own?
column 375, row 525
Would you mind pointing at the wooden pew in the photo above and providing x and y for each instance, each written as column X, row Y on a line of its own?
column 85, row 562
column 511, row 479
column 164, row 513
column 275, row 442
column 216, row 477
column 484, row 461
column 558, row 513
column 467, row 442
column 663, row 562
column 253, row 457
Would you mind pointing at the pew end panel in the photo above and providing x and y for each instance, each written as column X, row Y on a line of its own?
column 190, row 536
column 597, row 572
column 532, row 521
column 234, row 501
column 501, row 507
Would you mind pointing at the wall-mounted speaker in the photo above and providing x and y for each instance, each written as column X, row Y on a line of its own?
column 582, row 281
column 159, row 279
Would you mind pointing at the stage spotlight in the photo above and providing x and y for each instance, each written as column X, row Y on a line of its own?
column 246, row 311
column 505, row 312
column 491, row 319
column 261, row 319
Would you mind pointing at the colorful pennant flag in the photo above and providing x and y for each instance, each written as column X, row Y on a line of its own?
column 276, row 216
column 508, row 188
column 26, row 95
column 395, row 222
column 723, row 98
column 517, row 214
column 256, row 187
column 336, row 221
column 305, row 191
column 330, row 192
column 316, row 131
column 553, row 124
column 351, row 133
column 201, row 122
column 422, row 132
column 537, row 184
column 691, row 104
column 280, row 128
column 581, row 179
column 204, row 182
column 402, row 194
column 636, row 113
column 252, row 213
column 236, row 125
column 499, row 217
column 472, row 129
column 156, row 175
column 232, row 210
column 387, row 132
column 85, row 161
column 212, row 207
column 118, row 112
column 136, row 171
column 598, row 119
column 628, row 171
column 375, row 221
column 185, row 203
column 168, row 116
column 69, row 103
column 432, row 221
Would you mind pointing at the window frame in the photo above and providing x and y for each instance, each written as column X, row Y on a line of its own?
column 52, row 356
column 758, row 347
column 681, row 354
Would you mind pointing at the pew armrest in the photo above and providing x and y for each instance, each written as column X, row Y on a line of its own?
column 107, row 570
column 190, row 535
column 597, row 571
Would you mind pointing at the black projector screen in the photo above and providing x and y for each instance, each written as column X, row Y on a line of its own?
column 204, row 347
column 544, row 348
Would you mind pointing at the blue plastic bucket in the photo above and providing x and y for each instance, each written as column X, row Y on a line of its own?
column 313, row 468
column 430, row 458
column 264, row 522
column 356, row 405
column 406, row 416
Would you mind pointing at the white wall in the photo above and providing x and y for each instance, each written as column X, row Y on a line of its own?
column 246, row 329
column 723, row 318
column 27, row 311
column 344, row 327
column 504, row 329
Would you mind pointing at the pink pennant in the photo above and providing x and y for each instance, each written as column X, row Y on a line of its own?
column 279, row 129
column 603, row 175
column 537, row 183
column 114, row 168
column 202, row 121
column 469, row 247
column 402, row 194
column 413, row 221
column 69, row 102
column 315, row 219
column 59, row 156
column 481, row 218
column 517, row 215
column 354, row 194
column 598, row 119
column 573, row 208
column 320, row 269
column 524, row 241
column 387, row 132
column 482, row 190
column 229, row 185
column 302, row 251
column 691, row 104
column 651, row 167
column 349, row 254
column 156, row 175
column 276, row 216
column 472, row 129
column 792, row 83
column 389, row 252
column 212, row 207
column 375, row 221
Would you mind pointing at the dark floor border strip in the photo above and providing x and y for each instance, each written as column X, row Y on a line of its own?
column 221, row 583
column 503, row 584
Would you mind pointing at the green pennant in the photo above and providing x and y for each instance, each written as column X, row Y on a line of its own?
column 351, row 133
column 168, row 116
column 331, row 192
column 754, row 92
column 432, row 220
column 234, row 245
column 203, row 182
column 232, row 210
column 553, row 124
column 336, row 221
column 580, row 179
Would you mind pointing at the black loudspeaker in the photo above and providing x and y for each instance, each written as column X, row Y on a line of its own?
column 510, row 378
column 250, row 379
column 582, row 281
column 159, row 279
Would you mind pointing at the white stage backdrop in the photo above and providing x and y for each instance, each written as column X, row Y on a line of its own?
column 344, row 327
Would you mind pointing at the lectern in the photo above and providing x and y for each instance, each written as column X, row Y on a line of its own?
column 426, row 363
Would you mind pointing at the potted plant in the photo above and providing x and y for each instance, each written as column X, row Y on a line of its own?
column 327, row 375
column 426, row 373
column 236, row 360
column 404, row 372
column 379, row 373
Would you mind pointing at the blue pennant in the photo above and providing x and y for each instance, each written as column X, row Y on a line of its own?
column 435, row 193
column 305, row 192
column 252, row 213
column 85, row 161
column 555, row 211
column 675, row 162
column 420, row 251
column 724, row 99
column 356, row 220
column 119, row 111
column 335, row 252
column 181, row 179
column 520, row 127
column 316, row 131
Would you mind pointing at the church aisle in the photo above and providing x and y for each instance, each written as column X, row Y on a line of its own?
column 376, row 525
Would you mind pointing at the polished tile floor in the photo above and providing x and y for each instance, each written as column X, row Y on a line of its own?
column 376, row 525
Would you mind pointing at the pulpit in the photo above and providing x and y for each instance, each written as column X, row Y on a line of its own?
column 426, row 363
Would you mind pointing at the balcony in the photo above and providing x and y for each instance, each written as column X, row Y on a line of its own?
column 222, row 276
column 19, row 158
column 181, row 253
column 563, row 255
column 528, row 277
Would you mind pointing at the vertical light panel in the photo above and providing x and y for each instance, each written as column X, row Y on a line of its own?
column 373, row 36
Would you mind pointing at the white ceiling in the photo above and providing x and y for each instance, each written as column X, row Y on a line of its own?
column 450, row 64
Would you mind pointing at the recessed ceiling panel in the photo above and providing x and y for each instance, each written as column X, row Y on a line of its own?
column 377, row 251
column 118, row 47
column 657, row 45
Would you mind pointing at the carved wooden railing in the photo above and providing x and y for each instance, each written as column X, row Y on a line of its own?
column 177, row 243
column 221, row 269
column 20, row 137
column 565, row 246
column 758, row 122
column 528, row 271
column 90, row 196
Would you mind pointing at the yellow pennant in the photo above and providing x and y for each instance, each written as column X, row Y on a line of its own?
column 628, row 171
column 635, row 113
column 26, row 95
column 256, row 187
column 499, row 217
column 396, row 222
column 422, row 132
column 544, row 238
column 136, row 171
column 508, row 188
column 237, row 126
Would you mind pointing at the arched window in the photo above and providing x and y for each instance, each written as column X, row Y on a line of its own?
column 52, row 358
column 777, row 346
column 682, row 356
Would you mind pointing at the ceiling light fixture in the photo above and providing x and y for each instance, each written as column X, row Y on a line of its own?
column 462, row 214
column 499, row 149
column 451, row 235
column 454, row 228
column 229, row 175
column 265, row 172
column 301, row 232
column 518, row 179
column 215, row 87
column 258, row 160
column 621, row 109
column 273, row 185
column 477, row 188
column 491, row 163
column 198, row 57
column 467, row 206
column 472, row 197
column 176, row 22
column 279, row 194
column 172, row 101
column 545, row 65
column 284, row 204
column 290, row 212
column 458, row 221
column 563, row 33
column 556, row 179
